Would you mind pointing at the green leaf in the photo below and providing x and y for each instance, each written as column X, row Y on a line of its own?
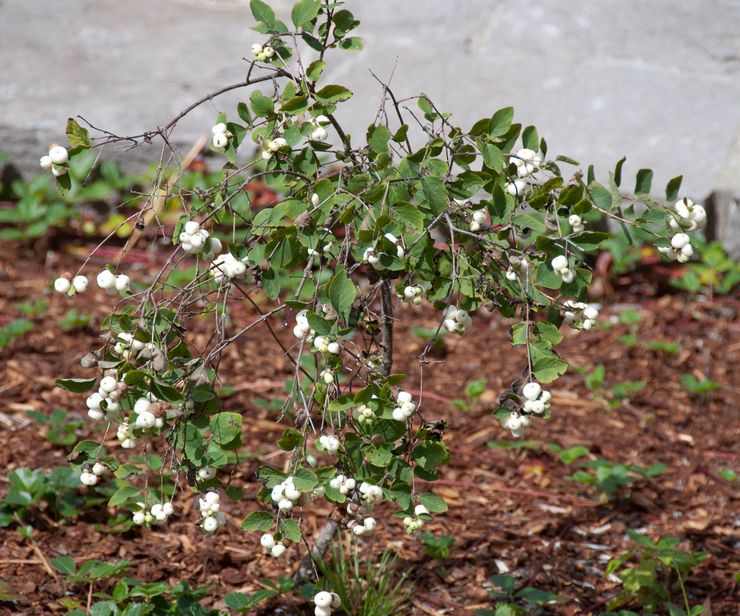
column 431, row 454
column 435, row 193
column 305, row 481
column 304, row 12
column 314, row 70
column 244, row 114
column 297, row 104
column 226, row 427
column 291, row 530
column 262, row 12
column 672, row 188
column 493, row 157
column 434, row 503
column 518, row 334
column 545, row 364
column 548, row 332
column 342, row 292
column 333, row 94
column 258, row 520
column 261, row 105
column 78, row 137
column 76, row 386
column 643, row 181
column 290, row 439
column 568, row 456
column 64, row 564
column 530, row 138
column 501, row 122
column 123, row 494
column 409, row 214
column 378, row 137
column 379, row 454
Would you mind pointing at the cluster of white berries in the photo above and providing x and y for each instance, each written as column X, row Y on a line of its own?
column 57, row 160
column 516, row 188
column 318, row 123
column 405, row 408
column 372, row 257
column 687, row 215
column 364, row 414
column 413, row 524
column 78, row 284
column 105, row 403
column 580, row 315
column 561, row 268
column 210, row 511
column 680, row 248
column 302, row 329
column 536, row 401
column 285, row 494
column 127, row 346
column 193, row 239
column 270, row 146
column 90, row 474
column 276, row 548
column 478, row 218
column 125, row 436
column 263, row 54
column 526, row 162
column 330, row 443
column 412, row 293
column 342, row 483
column 576, row 223
column 149, row 413
column 157, row 514
column 322, row 344
column 325, row 602
column 517, row 267
column 361, row 526
column 456, row 320
column 111, row 282
column 221, row 136
column 370, row 493
column 228, row 266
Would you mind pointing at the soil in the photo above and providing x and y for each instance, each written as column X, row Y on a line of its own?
column 511, row 510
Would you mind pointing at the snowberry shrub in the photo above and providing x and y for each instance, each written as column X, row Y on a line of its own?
column 420, row 211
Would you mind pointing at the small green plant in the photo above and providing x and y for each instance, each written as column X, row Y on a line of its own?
column 512, row 602
column 650, row 582
column 39, row 207
column 33, row 491
column 35, row 310
column 244, row 603
column 569, row 456
column 715, row 273
column 15, row 329
column 698, row 387
column 74, row 320
column 611, row 477
column 371, row 588
column 61, row 427
column 664, row 346
column 473, row 391
column 616, row 395
column 128, row 596
column 435, row 547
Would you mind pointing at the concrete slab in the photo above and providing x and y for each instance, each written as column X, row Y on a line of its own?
column 658, row 81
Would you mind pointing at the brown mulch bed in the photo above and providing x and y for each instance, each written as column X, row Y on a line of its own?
column 509, row 509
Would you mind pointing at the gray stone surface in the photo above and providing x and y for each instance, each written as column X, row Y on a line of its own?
column 656, row 80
